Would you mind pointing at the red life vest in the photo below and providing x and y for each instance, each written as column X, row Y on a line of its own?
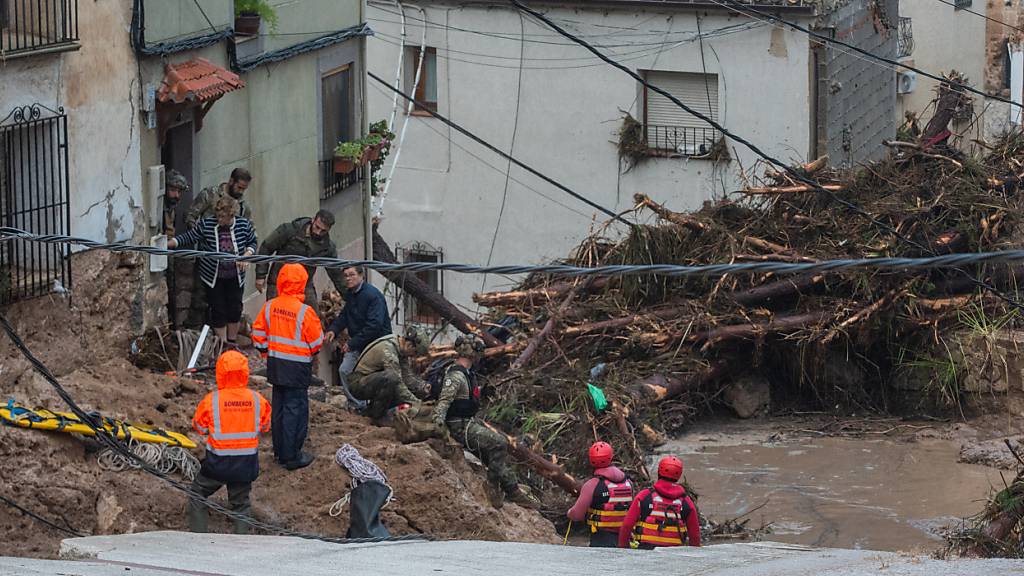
column 663, row 521
column 609, row 504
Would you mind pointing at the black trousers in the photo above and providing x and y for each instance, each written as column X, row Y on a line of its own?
column 225, row 302
column 289, row 421
column 238, row 498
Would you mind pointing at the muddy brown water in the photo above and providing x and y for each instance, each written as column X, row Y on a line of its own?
column 836, row 492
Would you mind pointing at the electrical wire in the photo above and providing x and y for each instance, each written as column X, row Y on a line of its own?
column 426, row 124
column 671, row 270
column 748, row 10
column 104, row 437
column 494, row 149
column 755, row 149
column 203, row 12
column 511, row 150
column 985, row 16
column 37, row 517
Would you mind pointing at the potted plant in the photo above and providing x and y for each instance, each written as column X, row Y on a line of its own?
column 371, row 147
column 249, row 13
column 346, row 156
column 381, row 128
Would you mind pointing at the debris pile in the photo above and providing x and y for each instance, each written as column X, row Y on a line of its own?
column 998, row 530
column 676, row 348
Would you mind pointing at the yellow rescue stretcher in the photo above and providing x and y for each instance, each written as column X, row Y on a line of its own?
column 13, row 414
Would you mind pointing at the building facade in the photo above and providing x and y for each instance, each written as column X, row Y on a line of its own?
column 557, row 108
column 138, row 87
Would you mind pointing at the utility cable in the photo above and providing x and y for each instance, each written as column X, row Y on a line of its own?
column 203, row 12
column 511, row 148
column 673, row 270
column 496, row 150
column 756, row 150
column 118, row 447
column 37, row 517
column 985, row 16
column 747, row 10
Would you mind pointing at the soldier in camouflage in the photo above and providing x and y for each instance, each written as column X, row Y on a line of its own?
column 203, row 203
column 310, row 237
column 382, row 375
column 457, row 404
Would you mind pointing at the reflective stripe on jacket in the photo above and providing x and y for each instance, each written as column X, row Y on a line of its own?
column 663, row 521
column 288, row 332
column 609, row 505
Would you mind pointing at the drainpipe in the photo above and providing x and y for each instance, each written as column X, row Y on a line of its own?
column 1016, row 80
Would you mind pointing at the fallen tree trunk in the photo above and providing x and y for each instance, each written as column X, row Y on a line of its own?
column 666, row 214
column 778, row 290
column 808, row 169
column 548, row 326
column 780, row 324
column 541, row 465
column 426, row 295
column 796, row 189
column 658, row 388
column 535, row 296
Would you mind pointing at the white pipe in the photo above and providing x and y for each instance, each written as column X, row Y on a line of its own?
column 408, row 112
column 1016, row 80
column 398, row 73
column 199, row 346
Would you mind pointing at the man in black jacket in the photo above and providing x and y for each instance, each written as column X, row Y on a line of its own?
column 366, row 318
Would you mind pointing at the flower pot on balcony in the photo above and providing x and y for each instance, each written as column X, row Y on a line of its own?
column 372, row 153
column 247, row 24
column 343, row 165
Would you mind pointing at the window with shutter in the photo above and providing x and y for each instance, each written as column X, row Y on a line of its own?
column 669, row 128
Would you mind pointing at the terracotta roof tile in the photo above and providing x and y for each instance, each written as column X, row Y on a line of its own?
column 197, row 80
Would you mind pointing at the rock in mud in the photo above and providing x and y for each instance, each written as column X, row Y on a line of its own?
column 748, row 396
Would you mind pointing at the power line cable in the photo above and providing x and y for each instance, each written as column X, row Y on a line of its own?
column 203, row 12
column 752, row 147
column 426, row 124
column 105, row 437
column 494, row 149
column 952, row 261
column 37, row 517
column 985, row 16
column 748, row 10
column 511, row 148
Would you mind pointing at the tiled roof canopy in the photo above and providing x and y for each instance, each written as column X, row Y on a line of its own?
column 197, row 81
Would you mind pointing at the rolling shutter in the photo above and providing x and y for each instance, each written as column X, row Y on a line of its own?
column 691, row 89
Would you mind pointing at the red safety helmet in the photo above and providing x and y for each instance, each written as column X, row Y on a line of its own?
column 601, row 454
column 670, row 468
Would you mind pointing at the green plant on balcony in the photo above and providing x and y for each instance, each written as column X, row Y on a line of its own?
column 381, row 128
column 248, row 14
column 347, row 155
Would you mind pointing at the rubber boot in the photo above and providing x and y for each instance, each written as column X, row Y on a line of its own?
column 240, row 527
column 495, row 496
column 198, row 518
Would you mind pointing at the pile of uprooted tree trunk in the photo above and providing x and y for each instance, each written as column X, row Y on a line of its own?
column 998, row 530
column 675, row 348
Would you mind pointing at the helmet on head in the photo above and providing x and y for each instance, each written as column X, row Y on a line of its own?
column 601, row 454
column 670, row 468
column 176, row 179
column 469, row 346
column 419, row 339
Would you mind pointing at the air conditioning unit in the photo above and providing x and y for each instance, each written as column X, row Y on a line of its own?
column 155, row 186
column 906, row 82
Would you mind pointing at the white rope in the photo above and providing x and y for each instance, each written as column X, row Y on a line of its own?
column 361, row 470
column 164, row 458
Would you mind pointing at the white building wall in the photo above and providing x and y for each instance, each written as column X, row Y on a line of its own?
column 569, row 111
column 98, row 89
column 945, row 39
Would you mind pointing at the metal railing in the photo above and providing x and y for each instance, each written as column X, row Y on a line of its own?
column 332, row 183
column 33, row 25
column 680, row 140
column 905, row 38
column 34, row 195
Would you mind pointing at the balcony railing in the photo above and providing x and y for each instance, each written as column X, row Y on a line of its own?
column 34, row 25
column 332, row 183
column 680, row 140
column 905, row 38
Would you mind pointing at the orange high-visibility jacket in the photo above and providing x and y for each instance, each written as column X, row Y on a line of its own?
column 232, row 418
column 287, row 331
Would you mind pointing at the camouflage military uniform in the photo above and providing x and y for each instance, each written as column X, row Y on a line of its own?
column 292, row 238
column 490, row 446
column 377, row 377
column 203, row 203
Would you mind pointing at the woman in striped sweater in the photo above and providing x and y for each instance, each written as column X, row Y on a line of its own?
column 224, row 281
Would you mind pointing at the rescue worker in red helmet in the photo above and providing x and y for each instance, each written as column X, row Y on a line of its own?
column 662, row 515
column 232, row 419
column 604, row 499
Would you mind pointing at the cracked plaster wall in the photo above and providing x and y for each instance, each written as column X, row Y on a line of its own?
column 98, row 89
